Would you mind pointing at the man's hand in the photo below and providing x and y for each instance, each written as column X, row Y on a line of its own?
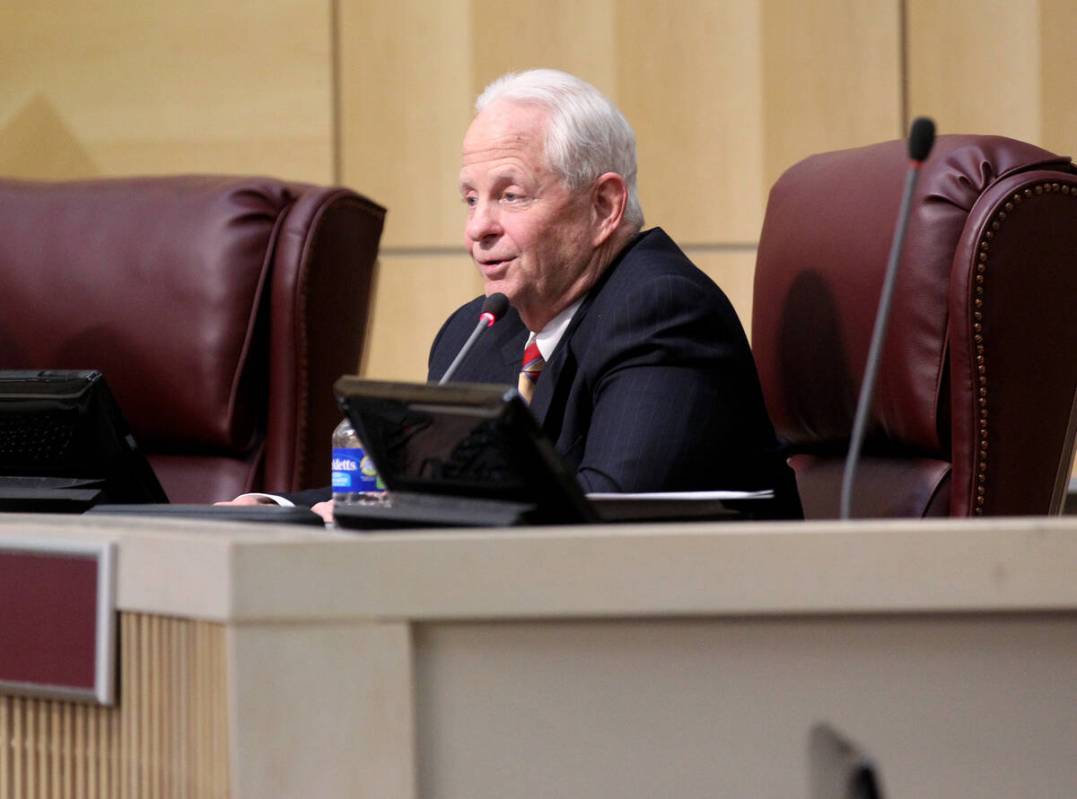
column 245, row 500
column 325, row 510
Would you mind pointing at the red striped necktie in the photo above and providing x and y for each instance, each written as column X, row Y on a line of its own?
column 531, row 369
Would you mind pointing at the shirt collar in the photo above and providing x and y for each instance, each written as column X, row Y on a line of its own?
column 549, row 336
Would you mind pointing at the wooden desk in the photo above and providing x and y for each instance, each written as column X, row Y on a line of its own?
column 633, row 661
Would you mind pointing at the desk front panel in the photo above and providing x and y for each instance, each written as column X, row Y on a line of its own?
column 167, row 737
column 948, row 706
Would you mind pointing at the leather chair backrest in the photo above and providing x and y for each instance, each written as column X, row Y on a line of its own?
column 986, row 276
column 220, row 310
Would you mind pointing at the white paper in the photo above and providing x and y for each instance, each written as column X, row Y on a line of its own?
column 686, row 495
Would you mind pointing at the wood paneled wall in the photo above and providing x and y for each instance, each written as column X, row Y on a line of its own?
column 376, row 94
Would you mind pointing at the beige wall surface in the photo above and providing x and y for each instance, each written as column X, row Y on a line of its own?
column 114, row 88
column 376, row 94
column 723, row 97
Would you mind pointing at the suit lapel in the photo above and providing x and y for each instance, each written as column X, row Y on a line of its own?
column 512, row 349
column 545, row 389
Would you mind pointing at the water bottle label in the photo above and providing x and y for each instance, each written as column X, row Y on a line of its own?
column 354, row 472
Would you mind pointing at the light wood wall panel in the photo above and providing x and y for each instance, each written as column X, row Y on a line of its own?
column 733, row 269
column 974, row 66
column 831, row 78
column 110, row 88
column 722, row 95
column 1058, row 65
column 413, row 296
column 563, row 34
column 996, row 66
column 405, row 99
column 413, row 293
column 690, row 82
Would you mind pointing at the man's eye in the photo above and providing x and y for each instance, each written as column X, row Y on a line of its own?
column 470, row 200
column 511, row 197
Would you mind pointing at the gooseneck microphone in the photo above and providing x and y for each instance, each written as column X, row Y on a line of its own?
column 492, row 310
column 921, row 138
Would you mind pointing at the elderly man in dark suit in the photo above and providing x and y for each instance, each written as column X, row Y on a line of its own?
column 633, row 360
column 646, row 381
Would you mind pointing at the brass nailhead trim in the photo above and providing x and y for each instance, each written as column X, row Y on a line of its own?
column 980, row 467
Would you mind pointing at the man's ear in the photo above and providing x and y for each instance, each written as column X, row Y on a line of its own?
column 609, row 196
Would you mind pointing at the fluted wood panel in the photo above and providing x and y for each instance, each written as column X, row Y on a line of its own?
column 167, row 737
column 111, row 88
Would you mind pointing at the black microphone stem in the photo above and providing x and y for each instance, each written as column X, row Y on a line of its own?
column 493, row 308
column 878, row 337
column 482, row 325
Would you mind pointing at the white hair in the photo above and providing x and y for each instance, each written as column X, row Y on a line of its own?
column 587, row 135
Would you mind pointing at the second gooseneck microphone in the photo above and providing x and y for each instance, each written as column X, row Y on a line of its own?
column 492, row 310
column 921, row 139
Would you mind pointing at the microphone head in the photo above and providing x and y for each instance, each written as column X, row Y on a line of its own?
column 495, row 306
column 921, row 138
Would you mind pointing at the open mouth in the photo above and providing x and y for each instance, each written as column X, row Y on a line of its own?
column 492, row 268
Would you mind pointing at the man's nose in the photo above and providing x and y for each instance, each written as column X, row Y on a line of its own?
column 483, row 221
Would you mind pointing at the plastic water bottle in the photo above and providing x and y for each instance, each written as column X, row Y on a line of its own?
column 354, row 477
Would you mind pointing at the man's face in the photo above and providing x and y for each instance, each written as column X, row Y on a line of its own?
column 529, row 236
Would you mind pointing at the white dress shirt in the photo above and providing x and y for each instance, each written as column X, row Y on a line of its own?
column 548, row 338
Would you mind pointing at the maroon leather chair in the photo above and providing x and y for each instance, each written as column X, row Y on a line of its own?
column 220, row 309
column 975, row 399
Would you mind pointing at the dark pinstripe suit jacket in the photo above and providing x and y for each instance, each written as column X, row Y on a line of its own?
column 653, row 386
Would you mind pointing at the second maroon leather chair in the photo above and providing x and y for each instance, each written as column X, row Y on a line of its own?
column 974, row 404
